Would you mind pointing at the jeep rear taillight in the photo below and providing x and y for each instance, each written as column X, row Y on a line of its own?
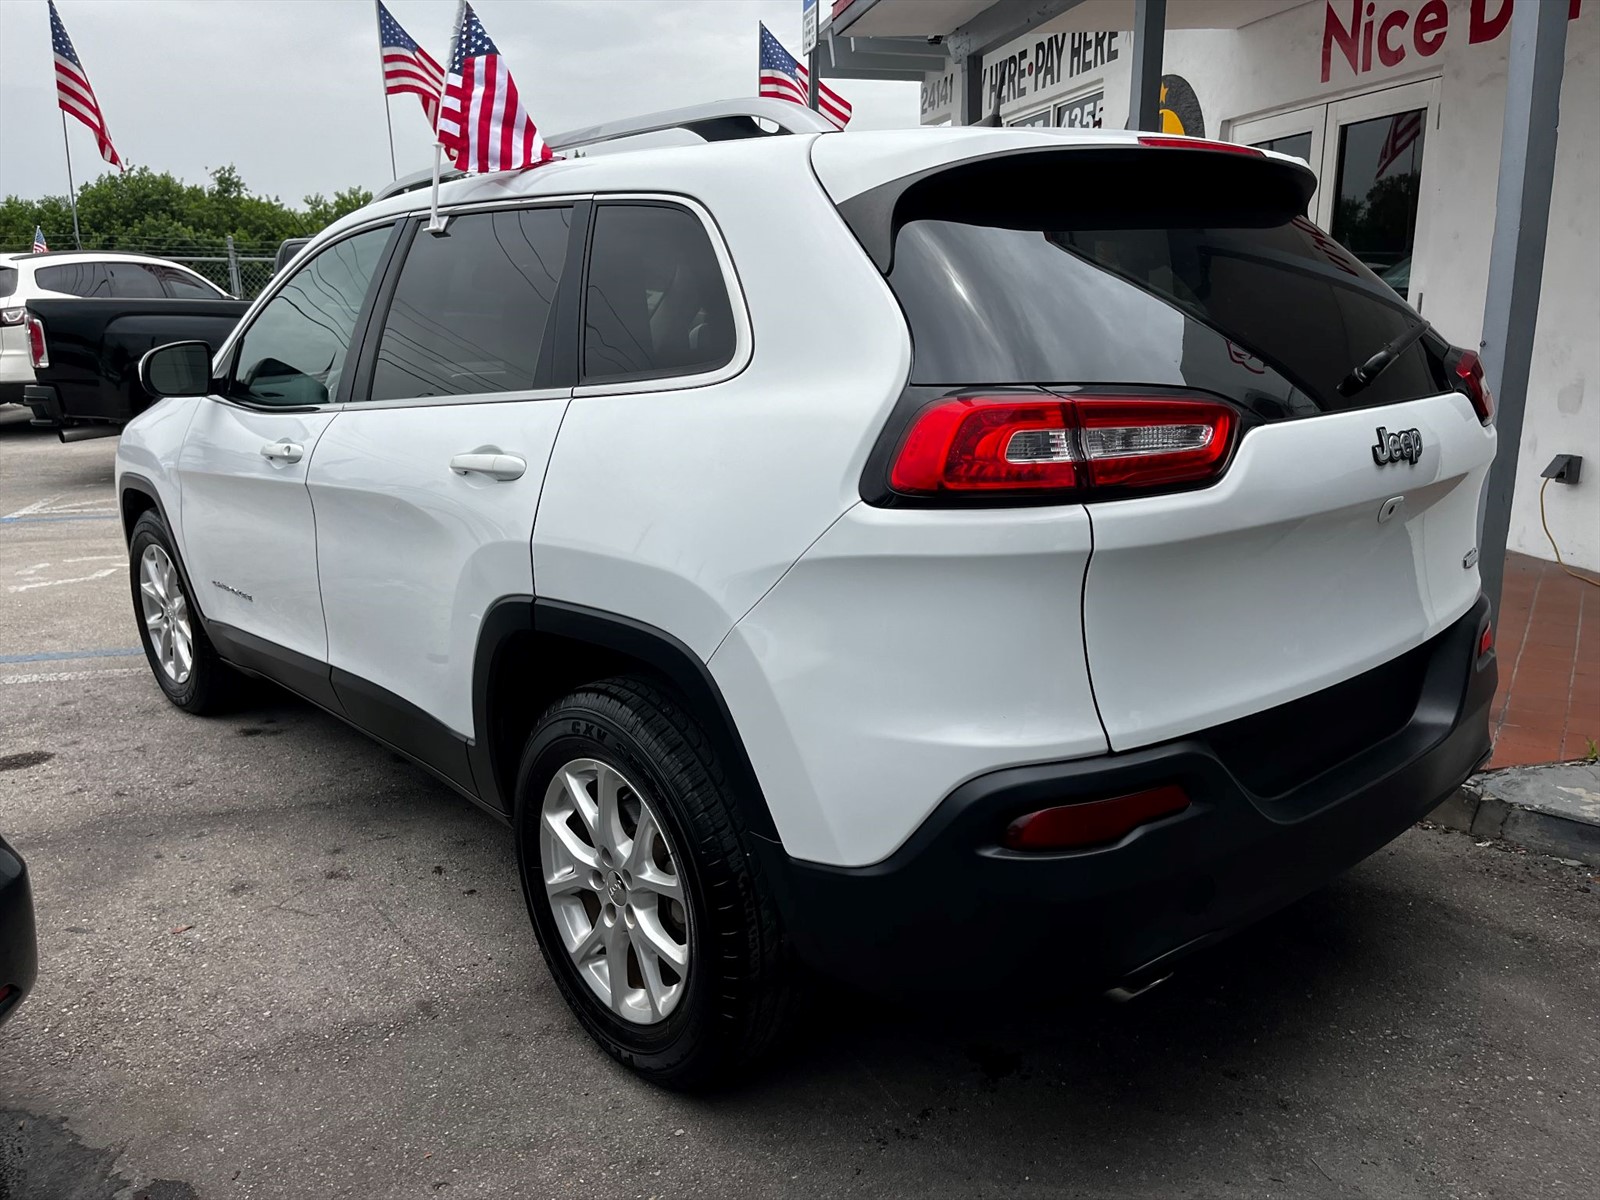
column 1470, row 380
column 37, row 354
column 1070, row 447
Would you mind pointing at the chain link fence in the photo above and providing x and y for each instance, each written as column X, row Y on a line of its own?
column 240, row 269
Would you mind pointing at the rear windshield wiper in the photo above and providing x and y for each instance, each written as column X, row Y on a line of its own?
column 1380, row 362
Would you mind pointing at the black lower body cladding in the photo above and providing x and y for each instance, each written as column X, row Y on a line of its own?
column 952, row 910
column 19, row 956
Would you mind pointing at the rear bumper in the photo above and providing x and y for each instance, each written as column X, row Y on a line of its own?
column 45, row 403
column 951, row 910
column 19, row 961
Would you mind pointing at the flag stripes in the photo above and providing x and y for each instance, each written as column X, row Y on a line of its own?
column 781, row 76
column 74, row 96
column 408, row 69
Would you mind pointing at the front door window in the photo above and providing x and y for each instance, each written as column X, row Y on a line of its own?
column 294, row 353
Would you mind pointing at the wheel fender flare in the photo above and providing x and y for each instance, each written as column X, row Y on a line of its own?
column 131, row 482
column 656, row 648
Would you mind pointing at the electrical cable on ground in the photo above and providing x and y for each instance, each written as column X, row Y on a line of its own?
column 1551, row 538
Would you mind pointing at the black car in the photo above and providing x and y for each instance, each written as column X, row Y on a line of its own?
column 19, row 954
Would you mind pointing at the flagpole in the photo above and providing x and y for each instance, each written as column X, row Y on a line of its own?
column 435, row 221
column 383, row 78
column 72, row 188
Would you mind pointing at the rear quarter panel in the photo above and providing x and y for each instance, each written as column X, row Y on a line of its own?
column 680, row 508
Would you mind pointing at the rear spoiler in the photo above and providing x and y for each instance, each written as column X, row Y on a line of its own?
column 1085, row 187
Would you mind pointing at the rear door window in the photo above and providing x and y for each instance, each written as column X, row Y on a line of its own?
column 75, row 279
column 182, row 286
column 136, row 281
column 470, row 311
column 655, row 301
column 8, row 281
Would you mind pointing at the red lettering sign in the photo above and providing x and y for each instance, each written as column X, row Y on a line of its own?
column 1334, row 33
column 1362, row 32
column 1389, row 54
column 1432, row 18
column 1481, row 27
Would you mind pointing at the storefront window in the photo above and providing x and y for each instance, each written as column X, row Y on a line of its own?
column 1296, row 145
column 1380, row 174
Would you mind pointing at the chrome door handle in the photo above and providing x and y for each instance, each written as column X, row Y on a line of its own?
column 504, row 467
column 289, row 452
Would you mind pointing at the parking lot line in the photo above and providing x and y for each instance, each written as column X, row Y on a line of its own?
column 69, row 676
column 58, row 655
column 83, row 517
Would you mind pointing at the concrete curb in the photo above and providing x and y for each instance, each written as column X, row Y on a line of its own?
column 1478, row 810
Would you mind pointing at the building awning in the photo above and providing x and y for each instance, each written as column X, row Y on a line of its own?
column 940, row 18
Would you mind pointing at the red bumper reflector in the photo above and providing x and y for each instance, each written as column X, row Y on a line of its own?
column 1092, row 822
column 1486, row 641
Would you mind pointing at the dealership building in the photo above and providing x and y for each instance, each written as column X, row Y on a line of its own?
column 1397, row 105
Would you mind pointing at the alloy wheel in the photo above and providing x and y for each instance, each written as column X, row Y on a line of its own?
column 166, row 614
column 612, row 880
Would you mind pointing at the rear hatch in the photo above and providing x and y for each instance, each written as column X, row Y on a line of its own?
column 1337, row 532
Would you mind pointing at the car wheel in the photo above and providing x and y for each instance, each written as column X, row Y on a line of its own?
column 181, row 656
column 655, row 921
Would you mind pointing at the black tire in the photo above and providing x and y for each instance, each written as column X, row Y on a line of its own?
column 739, row 983
column 212, row 686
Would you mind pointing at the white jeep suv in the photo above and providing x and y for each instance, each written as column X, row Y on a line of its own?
column 941, row 557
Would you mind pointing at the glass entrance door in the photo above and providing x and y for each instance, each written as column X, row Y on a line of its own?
column 1368, row 153
column 1373, row 158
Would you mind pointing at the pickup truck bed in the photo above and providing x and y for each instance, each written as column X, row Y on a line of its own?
column 94, row 347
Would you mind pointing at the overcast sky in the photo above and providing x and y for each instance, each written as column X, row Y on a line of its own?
column 289, row 90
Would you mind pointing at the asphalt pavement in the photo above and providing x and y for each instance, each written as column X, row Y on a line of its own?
column 277, row 961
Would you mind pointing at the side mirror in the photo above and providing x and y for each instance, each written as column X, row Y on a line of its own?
column 177, row 369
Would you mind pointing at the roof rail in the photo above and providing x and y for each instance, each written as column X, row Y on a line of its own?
column 718, row 121
column 415, row 180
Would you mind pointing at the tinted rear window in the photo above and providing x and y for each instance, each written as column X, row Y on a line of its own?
column 136, row 281
column 8, row 281
column 75, row 279
column 1257, row 305
column 656, row 304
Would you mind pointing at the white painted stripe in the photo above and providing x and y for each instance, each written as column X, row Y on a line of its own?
column 497, row 116
column 70, row 676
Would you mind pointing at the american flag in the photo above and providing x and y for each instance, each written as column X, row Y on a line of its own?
column 482, row 124
column 38, row 240
column 1404, row 130
column 784, row 77
column 73, row 92
column 407, row 67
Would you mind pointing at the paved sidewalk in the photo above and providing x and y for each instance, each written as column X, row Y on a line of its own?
column 1548, row 638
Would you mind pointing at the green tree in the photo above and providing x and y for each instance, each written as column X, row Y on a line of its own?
column 156, row 213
